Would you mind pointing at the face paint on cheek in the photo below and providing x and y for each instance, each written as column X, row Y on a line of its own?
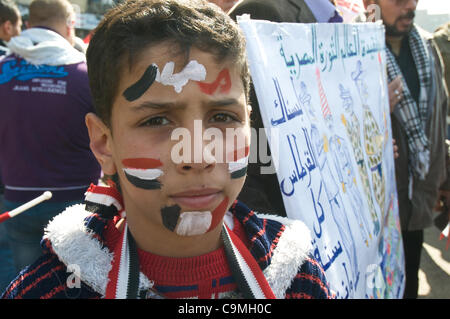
column 143, row 172
column 221, row 83
column 237, row 165
column 136, row 90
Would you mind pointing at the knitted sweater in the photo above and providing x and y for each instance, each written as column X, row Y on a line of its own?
column 78, row 250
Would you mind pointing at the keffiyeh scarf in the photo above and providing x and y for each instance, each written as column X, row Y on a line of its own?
column 413, row 116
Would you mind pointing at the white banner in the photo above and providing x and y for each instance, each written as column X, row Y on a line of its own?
column 323, row 88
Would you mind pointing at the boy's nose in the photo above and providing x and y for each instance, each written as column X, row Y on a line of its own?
column 204, row 165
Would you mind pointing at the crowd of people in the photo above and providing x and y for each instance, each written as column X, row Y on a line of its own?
column 93, row 127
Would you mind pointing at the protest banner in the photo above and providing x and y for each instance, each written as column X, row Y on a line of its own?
column 323, row 89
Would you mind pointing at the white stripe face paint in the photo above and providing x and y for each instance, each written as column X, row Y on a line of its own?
column 193, row 223
column 146, row 174
column 192, row 71
column 238, row 165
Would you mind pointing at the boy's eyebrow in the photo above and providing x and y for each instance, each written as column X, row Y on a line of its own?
column 224, row 102
column 153, row 105
column 168, row 105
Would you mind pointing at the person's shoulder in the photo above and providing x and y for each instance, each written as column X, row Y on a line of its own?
column 48, row 278
column 283, row 250
column 36, row 280
column 77, row 70
column 310, row 282
column 424, row 34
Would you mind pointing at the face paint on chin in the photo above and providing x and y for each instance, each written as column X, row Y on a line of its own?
column 192, row 223
column 143, row 172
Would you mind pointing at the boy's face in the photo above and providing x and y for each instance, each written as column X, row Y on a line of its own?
column 168, row 175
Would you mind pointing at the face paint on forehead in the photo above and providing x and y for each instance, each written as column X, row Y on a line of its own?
column 192, row 71
column 192, row 223
column 221, row 83
column 136, row 90
column 238, row 162
column 143, row 172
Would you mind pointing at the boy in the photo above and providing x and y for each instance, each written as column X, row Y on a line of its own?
column 170, row 228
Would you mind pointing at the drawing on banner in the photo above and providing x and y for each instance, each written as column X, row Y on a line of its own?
column 354, row 133
column 336, row 170
column 373, row 139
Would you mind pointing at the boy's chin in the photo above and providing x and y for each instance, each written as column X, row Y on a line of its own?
column 194, row 223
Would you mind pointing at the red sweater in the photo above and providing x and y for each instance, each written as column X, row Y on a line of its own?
column 206, row 277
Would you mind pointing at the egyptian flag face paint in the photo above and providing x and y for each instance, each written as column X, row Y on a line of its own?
column 238, row 162
column 136, row 90
column 192, row 223
column 222, row 83
column 143, row 172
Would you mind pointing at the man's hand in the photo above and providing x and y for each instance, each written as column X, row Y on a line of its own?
column 443, row 201
column 394, row 145
column 395, row 91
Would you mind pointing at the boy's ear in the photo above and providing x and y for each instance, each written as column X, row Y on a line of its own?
column 100, row 136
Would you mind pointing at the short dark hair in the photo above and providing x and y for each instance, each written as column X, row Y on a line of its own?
column 49, row 12
column 135, row 25
column 8, row 11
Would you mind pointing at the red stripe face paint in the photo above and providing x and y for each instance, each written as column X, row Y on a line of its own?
column 143, row 172
column 221, row 83
column 219, row 213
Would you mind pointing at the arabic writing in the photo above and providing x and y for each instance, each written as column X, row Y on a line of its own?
column 344, row 43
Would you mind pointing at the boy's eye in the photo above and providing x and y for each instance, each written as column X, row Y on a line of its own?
column 156, row 121
column 223, row 118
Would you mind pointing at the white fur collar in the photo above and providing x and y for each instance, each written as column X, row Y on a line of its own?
column 75, row 245
column 42, row 46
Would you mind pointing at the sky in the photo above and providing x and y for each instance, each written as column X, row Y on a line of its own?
column 434, row 6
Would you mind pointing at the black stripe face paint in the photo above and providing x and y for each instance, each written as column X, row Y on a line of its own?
column 143, row 183
column 136, row 90
column 240, row 173
column 170, row 215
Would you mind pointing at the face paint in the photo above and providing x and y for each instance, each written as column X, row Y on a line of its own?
column 238, row 167
column 143, row 172
column 222, row 82
column 136, row 90
column 192, row 223
column 170, row 215
column 192, row 71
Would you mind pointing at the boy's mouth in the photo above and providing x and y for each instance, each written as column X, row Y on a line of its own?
column 197, row 198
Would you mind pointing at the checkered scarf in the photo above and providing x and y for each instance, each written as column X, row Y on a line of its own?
column 413, row 116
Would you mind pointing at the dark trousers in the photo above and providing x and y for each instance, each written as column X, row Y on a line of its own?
column 412, row 245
